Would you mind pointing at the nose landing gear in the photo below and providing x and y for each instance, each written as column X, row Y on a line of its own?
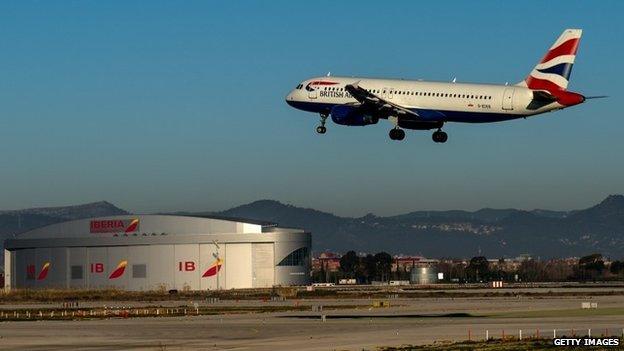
column 321, row 129
column 439, row 136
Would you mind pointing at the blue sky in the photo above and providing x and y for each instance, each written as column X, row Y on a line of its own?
column 159, row 106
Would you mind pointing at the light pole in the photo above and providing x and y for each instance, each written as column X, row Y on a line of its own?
column 216, row 255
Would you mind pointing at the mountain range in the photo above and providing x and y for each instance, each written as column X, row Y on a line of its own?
column 456, row 233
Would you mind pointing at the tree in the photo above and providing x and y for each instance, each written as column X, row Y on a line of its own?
column 478, row 268
column 617, row 267
column 591, row 266
column 383, row 262
column 322, row 275
column 349, row 263
column 369, row 267
column 592, row 262
column 531, row 271
column 558, row 270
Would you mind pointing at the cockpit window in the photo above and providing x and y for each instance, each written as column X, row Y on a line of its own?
column 299, row 86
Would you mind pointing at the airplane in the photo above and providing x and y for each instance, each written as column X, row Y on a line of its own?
column 424, row 105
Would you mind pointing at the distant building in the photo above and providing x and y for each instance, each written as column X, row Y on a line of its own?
column 504, row 264
column 406, row 263
column 329, row 261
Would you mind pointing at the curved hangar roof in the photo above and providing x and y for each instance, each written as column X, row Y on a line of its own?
column 152, row 229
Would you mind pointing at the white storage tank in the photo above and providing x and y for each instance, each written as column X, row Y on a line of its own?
column 423, row 275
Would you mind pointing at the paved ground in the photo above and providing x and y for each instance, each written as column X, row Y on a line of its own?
column 410, row 321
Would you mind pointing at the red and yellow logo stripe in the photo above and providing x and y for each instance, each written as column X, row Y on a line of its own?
column 119, row 271
column 213, row 269
column 44, row 271
column 132, row 226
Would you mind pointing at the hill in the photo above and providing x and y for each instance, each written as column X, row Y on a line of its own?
column 489, row 232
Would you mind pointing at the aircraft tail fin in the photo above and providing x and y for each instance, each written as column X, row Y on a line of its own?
column 552, row 73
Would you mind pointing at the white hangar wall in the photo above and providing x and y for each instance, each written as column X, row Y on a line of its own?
column 153, row 252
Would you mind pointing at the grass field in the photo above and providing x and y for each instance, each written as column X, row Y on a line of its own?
column 338, row 292
column 577, row 312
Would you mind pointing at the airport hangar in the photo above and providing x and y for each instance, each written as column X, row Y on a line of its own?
column 158, row 252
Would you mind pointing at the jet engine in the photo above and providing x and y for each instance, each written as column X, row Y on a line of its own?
column 351, row 116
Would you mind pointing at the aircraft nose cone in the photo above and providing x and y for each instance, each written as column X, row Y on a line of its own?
column 290, row 98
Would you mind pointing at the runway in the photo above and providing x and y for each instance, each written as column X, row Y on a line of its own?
column 407, row 321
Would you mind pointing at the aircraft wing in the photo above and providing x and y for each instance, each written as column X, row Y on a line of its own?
column 375, row 103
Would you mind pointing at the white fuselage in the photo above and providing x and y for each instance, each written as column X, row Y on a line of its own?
column 459, row 102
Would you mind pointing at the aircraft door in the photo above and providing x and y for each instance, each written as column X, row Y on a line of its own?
column 390, row 93
column 508, row 99
column 384, row 93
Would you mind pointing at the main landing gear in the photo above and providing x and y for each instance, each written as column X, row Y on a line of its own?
column 397, row 134
column 439, row 136
column 321, row 129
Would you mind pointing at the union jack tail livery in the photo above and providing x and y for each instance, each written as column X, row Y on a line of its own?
column 552, row 73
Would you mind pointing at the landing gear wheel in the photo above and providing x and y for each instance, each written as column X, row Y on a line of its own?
column 321, row 129
column 439, row 136
column 397, row 134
